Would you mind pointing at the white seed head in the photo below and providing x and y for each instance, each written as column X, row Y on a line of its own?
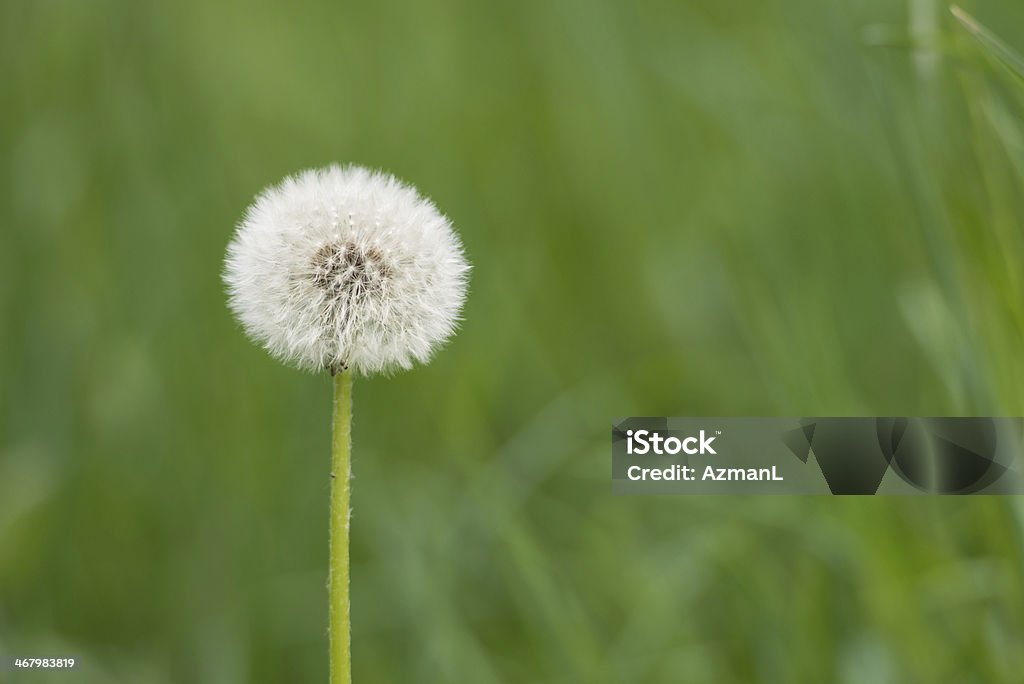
column 344, row 266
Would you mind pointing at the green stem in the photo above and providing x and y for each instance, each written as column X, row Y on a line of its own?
column 338, row 578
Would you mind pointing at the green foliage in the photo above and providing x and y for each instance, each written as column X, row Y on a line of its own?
column 721, row 208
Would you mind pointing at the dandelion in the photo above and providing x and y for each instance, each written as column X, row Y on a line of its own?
column 342, row 267
column 345, row 270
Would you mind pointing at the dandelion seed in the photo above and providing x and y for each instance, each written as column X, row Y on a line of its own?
column 343, row 266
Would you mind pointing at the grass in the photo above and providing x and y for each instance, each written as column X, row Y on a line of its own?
column 707, row 209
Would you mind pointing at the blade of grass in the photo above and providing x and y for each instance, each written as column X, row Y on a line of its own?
column 994, row 47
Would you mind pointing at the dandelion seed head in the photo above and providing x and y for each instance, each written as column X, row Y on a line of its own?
column 344, row 266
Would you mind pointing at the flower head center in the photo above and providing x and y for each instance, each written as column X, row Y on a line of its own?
column 345, row 269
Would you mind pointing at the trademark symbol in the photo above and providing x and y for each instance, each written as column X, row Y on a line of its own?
column 718, row 432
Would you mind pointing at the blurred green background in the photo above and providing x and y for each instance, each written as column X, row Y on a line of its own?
column 701, row 208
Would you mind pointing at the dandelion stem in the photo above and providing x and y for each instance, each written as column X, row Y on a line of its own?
column 338, row 578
